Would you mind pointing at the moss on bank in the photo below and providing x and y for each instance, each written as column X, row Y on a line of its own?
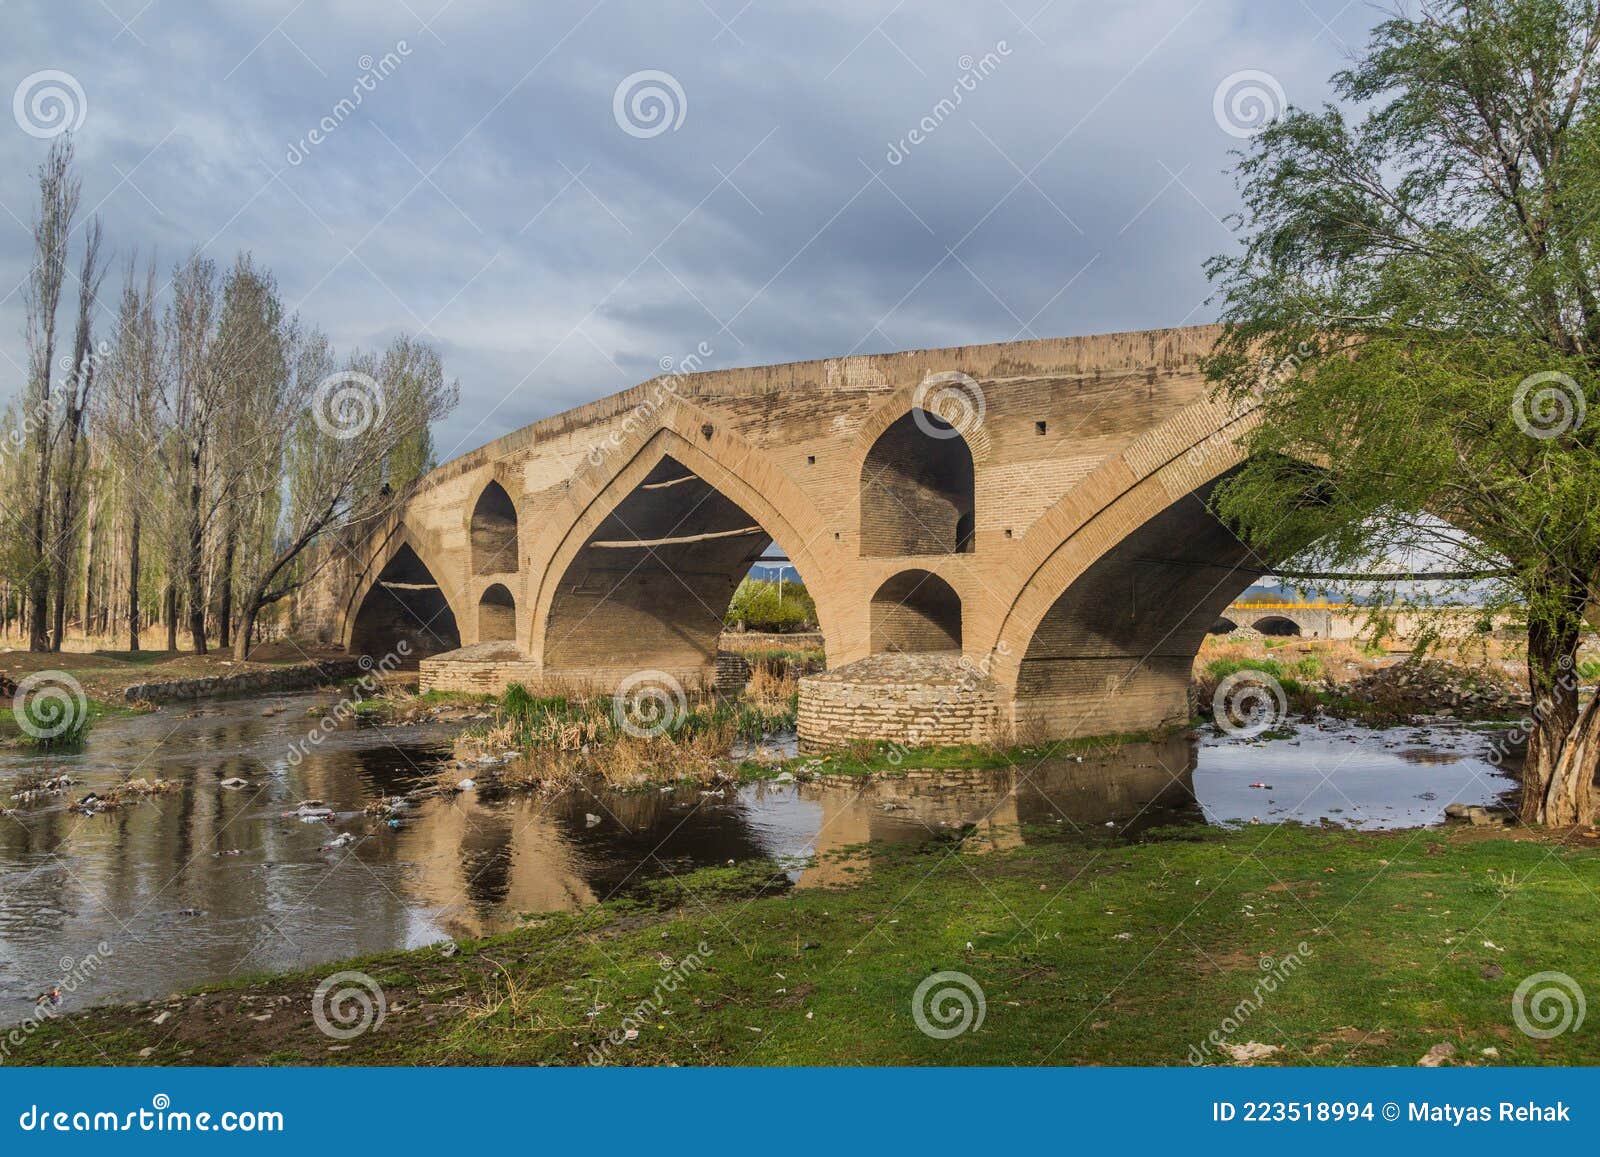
column 1086, row 952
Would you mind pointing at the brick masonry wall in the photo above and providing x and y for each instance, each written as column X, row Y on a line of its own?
column 475, row 677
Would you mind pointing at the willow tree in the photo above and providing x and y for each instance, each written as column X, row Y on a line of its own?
column 1416, row 309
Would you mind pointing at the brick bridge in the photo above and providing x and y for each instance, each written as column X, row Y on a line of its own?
column 1315, row 620
column 1006, row 540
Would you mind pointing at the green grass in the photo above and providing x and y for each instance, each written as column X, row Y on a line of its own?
column 71, row 739
column 867, row 759
column 1293, row 677
column 1086, row 951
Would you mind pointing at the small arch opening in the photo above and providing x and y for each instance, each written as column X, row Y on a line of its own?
column 1278, row 626
column 497, row 615
column 494, row 532
column 1223, row 626
column 916, row 611
column 917, row 490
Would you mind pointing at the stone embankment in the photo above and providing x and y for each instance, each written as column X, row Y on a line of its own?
column 294, row 677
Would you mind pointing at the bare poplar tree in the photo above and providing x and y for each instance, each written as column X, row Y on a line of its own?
column 192, row 404
column 80, row 389
column 52, row 228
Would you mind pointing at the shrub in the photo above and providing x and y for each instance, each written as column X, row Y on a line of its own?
column 757, row 606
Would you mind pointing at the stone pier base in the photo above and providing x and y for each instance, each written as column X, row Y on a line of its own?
column 917, row 700
column 486, row 669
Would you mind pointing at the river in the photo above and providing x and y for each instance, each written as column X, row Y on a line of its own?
column 210, row 882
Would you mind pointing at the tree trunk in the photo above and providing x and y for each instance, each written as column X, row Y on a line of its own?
column 225, row 595
column 197, row 601
column 171, row 609
column 133, row 581
column 39, row 575
column 1553, row 680
column 247, row 622
column 1570, row 795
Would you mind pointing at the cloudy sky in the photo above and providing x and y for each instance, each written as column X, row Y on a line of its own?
column 561, row 195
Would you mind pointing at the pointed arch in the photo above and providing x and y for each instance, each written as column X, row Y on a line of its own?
column 380, row 550
column 1177, row 459
column 404, row 613
column 493, row 531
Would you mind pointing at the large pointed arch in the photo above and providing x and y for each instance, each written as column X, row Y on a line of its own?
column 708, row 504
column 1122, row 580
column 404, row 617
column 380, row 550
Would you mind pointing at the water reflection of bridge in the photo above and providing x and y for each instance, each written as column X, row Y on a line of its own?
column 1133, row 788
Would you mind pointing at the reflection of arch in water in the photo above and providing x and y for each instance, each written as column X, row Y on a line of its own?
column 479, row 868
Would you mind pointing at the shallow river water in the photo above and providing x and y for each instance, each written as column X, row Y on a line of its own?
column 209, row 882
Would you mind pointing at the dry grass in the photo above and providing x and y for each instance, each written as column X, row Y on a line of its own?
column 772, row 683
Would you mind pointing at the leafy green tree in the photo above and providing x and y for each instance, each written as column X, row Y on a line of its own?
column 759, row 605
column 1414, row 322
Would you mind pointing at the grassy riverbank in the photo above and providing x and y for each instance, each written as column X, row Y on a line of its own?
column 1087, row 952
